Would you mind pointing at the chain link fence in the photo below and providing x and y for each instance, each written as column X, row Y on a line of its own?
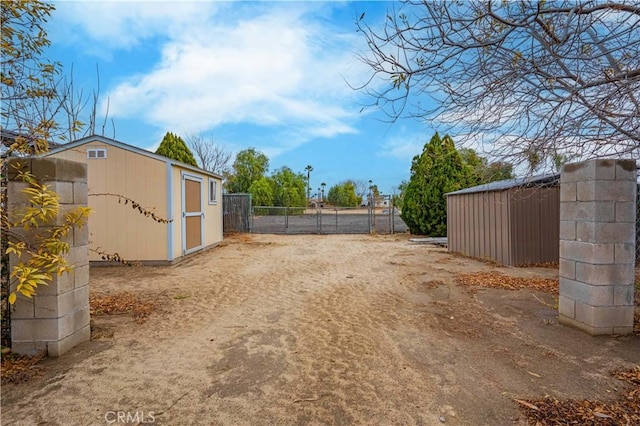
column 297, row 220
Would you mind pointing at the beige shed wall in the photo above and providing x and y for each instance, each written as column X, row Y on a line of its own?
column 213, row 232
column 115, row 227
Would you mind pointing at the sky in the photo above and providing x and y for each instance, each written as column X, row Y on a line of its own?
column 273, row 75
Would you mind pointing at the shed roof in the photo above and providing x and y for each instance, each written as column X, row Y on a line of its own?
column 127, row 147
column 501, row 185
column 8, row 138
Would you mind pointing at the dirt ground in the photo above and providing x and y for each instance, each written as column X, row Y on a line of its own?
column 313, row 329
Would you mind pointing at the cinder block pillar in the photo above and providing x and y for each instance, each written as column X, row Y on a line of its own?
column 57, row 318
column 597, row 245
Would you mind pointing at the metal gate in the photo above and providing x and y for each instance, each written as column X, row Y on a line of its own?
column 382, row 219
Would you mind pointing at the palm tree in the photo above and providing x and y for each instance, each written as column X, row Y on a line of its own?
column 323, row 185
column 309, row 169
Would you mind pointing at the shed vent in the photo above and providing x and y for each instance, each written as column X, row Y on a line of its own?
column 97, row 153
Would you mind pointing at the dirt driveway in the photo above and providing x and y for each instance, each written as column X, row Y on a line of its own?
column 340, row 329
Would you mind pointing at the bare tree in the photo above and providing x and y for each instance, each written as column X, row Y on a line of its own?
column 210, row 156
column 361, row 187
column 69, row 109
column 59, row 111
column 532, row 80
column 72, row 102
column 91, row 128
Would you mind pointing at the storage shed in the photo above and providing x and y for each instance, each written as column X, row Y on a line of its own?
column 513, row 222
column 187, row 201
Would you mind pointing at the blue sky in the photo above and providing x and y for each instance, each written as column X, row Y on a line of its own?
column 271, row 75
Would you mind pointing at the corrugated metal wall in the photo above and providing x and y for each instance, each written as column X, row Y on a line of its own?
column 478, row 225
column 513, row 227
column 535, row 225
column 638, row 224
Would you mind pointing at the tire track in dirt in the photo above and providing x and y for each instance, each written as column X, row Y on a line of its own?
column 349, row 363
column 342, row 348
column 251, row 366
column 326, row 347
column 155, row 351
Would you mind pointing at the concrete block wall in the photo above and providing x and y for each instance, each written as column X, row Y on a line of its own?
column 597, row 245
column 57, row 318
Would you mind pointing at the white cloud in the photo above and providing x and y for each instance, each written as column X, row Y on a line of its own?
column 407, row 144
column 404, row 146
column 274, row 65
column 124, row 24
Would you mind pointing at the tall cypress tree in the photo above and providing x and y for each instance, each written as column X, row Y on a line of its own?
column 438, row 170
column 174, row 147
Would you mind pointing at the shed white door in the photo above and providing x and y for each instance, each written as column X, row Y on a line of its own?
column 192, row 214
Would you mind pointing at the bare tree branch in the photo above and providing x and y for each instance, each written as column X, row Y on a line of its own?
column 209, row 155
column 555, row 78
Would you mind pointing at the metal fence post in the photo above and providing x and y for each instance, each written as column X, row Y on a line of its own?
column 390, row 215
column 286, row 218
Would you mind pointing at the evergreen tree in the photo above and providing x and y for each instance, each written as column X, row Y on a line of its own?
column 174, row 147
column 438, row 170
